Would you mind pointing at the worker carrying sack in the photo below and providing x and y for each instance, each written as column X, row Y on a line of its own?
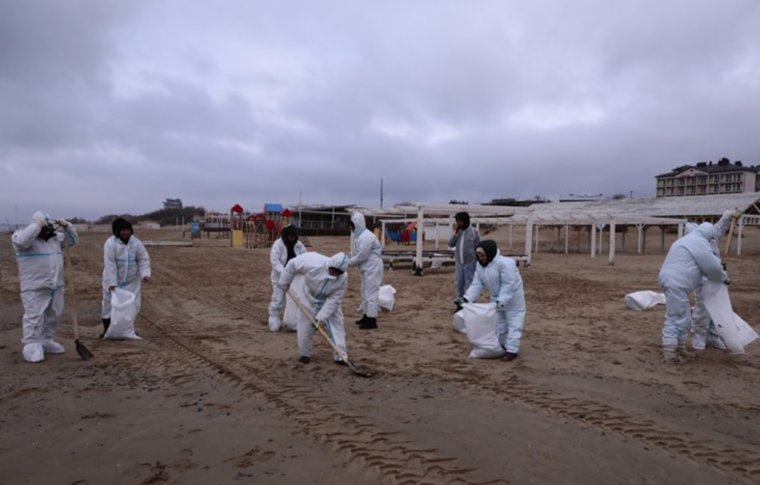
column 123, row 315
column 481, row 325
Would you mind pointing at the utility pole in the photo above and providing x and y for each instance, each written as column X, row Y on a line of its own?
column 381, row 192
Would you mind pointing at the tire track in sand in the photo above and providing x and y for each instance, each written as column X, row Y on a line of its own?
column 387, row 454
column 729, row 459
column 725, row 458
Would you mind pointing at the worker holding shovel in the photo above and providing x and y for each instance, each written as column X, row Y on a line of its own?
column 40, row 266
column 321, row 295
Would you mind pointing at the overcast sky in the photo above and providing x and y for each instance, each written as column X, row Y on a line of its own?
column 113, row 106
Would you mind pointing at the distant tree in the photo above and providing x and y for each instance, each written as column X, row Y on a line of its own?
column 458, row 202
column 618, row 196
column 165, row 217
column 110, row 217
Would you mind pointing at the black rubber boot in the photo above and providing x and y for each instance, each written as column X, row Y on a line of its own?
column 362, row 319
column 106, row 324
column 369, row 324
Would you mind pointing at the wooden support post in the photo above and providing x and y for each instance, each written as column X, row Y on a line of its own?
column 593, row 240
column 612, row 242
column 528, row 240
column 420, row 230
column 567, row 239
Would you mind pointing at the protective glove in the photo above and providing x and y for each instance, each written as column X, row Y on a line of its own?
column 459, row 302
column 737, row 213
column 727, row 282
column 63, row 223
column 499, row 305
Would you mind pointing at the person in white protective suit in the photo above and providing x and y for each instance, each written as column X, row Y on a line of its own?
column 689, row 259
column 321, row 293
column 40, row 269
column 464, row 240
column 702, row 329
column 283, row 250
column 367, row 255
column 500, row 277
column 126, row 265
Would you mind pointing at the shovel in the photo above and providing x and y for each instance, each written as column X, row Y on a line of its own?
column 359, row 370
column 728, row 239
column 83, row 352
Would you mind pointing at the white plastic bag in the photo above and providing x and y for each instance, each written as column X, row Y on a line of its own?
column 458, row 322
column 481, row 325
column 735, row 332
column 292, row 313
column 123, row 314
column 387, row 297
column 644, row 300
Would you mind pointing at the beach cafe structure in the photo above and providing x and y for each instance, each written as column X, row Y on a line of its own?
column 609, row 216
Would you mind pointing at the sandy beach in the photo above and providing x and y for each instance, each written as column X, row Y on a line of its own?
column 211, row 396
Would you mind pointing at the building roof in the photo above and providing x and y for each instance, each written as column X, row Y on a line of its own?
column 710, row 167
column 652, row 210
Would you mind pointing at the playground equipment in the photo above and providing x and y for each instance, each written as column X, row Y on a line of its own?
column 263, row 229
column 236, row 226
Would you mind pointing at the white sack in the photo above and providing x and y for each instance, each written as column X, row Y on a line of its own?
column 644, row 300
column 437, row 261
column 292, row 313
column 387, row 297
column 459, row 322
column 481, row 325
column 123, row 314
column 733, row 330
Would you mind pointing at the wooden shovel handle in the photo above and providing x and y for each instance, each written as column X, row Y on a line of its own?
column 318, row 327
column 72, row 292
column 728, row 239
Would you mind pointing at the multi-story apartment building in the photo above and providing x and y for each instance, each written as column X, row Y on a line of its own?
column 707, row 178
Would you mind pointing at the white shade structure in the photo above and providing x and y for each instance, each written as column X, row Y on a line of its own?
column 597, row 215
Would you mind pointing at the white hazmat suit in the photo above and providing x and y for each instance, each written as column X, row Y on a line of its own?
column 700, row 319
column 321, row 294
column 40, row 268
column 502, row 279
column 689, row 259
column 125, row 265
column 278, row 257
column 367, row 255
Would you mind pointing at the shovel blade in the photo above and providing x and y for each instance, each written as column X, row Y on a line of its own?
column 360, row 370
column 83, row 351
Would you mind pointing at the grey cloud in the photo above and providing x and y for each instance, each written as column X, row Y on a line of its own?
column 127, row 103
